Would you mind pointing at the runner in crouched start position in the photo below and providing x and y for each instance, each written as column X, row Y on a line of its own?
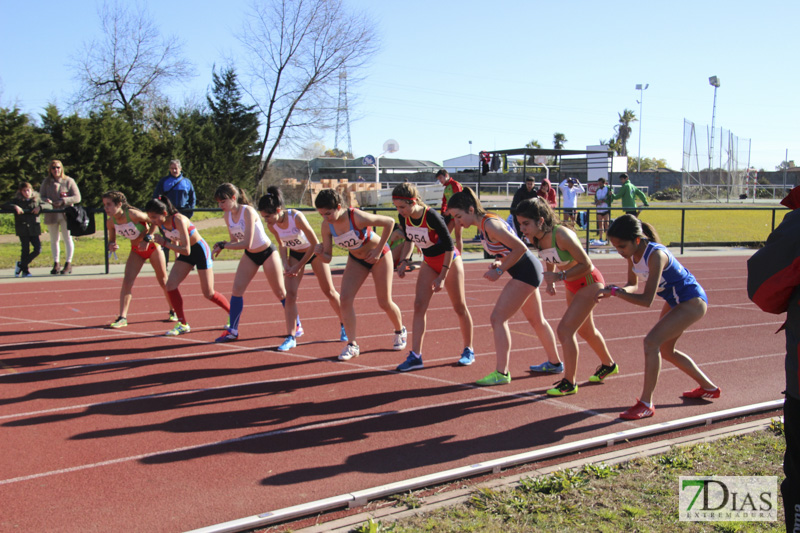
column 368, row 254
column 442, row 267
column 567, row 261
column 685, row 303
column 127, row 221
column 191, row 250
column 247, row 233
column 522, row 292
column 293, row 233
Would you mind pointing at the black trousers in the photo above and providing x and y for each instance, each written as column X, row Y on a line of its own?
column 27, row 255
column 790, row 488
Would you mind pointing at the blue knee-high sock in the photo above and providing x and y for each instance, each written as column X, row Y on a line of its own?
column 237, row 304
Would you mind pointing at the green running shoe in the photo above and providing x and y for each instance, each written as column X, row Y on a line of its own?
column 603, row 372
column 120, row 322
column 495, row 378
column 179, row 329
column 563, row 388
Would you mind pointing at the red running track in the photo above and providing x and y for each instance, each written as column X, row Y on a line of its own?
column 127, row 430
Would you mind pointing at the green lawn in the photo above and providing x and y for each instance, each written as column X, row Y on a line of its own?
column 712, row 224
column 640, row 495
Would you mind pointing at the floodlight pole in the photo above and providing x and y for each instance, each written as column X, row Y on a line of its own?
column 641, row 101
column 714, row 81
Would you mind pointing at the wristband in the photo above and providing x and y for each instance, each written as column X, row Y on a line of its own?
column 221, row 245
column 499, row 271
column 445, row 266
column 614, row 290
column 562, row 275
column 148, row 238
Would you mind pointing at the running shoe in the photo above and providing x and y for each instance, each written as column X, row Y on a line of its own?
column 563, row 388
column 700, row 392
column 412, row 362
column 120, row 322
column 18, row 269
column 400, row 339
column 343, row 334
column 173, row 316
column 548, row 368
column 350, row 351
column 603, row 372
column 27, row 274
column 638, row 411
column 467, row 357
column 495, row 378
column 288, row 344
column 179, row 329
column 229, row 336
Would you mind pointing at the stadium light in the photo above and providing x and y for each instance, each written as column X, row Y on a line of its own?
column 641, row 99
column 714, row 82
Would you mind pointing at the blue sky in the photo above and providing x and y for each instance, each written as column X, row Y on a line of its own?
column 497, row 74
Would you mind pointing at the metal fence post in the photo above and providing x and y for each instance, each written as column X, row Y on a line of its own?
column 105, row 239
column 683, row 227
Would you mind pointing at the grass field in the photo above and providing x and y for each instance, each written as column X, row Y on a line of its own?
column 712, row 224
column 640, row 495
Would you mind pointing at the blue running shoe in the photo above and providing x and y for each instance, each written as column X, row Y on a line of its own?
column 412, row 362
column 228, row 336
column 467, row 357
column 343, row 334
column 288, row 344
column 548, row 368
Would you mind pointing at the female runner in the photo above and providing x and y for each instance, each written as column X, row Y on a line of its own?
column 191, row 250
column 127, row 221
column 685, row 303
column 293, row 233
column 368, row 254
column 512, row 256
column 247, row 233
column 567, row 261
column 442, row 267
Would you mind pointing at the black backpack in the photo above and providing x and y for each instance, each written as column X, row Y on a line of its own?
column 79, row 221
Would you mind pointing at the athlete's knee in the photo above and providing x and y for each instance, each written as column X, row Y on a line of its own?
column 652, row 344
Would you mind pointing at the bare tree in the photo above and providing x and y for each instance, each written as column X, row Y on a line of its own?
column 131, row 62
column 297, row 49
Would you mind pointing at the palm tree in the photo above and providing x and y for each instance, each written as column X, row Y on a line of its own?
column 559, row 140
column 533, row 144
column 623, row 130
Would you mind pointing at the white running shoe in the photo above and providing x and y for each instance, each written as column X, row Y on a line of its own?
column 350, row 351
column 400, row 339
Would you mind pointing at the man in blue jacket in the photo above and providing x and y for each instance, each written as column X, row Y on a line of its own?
column 178, row 189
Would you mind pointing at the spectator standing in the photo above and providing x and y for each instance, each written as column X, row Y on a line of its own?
column 773, row 283
column 527, row 190
column 60, row 191
column 548, row 193
column 628, row 194
column 603, row 213
column 26, row 205
column 180, row 191
column 570, row 189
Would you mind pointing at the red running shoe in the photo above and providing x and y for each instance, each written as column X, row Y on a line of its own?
column 700, row 392
column 638, row 411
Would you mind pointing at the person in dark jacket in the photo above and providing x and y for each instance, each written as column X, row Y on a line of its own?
column 180, row 191
column 773, row 283
column 27, row 205
column 527, row 190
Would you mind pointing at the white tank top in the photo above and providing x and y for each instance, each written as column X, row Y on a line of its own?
column 236, row 229
column 292, row 237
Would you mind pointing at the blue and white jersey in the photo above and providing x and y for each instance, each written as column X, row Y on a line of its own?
column 676, row 284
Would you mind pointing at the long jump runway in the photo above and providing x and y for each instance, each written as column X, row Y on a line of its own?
column 128, row 430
